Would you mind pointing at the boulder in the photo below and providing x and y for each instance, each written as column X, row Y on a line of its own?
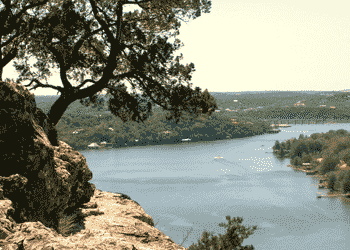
column 49, row 129
column 43, row 181
column 108, row 221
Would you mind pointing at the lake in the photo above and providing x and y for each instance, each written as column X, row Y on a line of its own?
column 183, row 186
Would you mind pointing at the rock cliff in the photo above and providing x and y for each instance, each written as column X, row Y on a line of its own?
column 46, row 200
column 108, row 221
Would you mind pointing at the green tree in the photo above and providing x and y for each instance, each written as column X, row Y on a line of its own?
column 16, row 27
column 233, row 239
column 97, row 37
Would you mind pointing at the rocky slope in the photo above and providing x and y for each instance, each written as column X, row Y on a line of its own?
column 46, row 200
column 108, row 221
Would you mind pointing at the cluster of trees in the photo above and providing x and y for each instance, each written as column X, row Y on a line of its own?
column 98, row 38
column 332, row 146
column 94, row 127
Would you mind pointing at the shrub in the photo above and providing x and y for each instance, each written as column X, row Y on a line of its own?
column 306, row 158
column 345, row 156
column 296, row 161
column 276, row 146
column 301, row 137
column 342, row 132
column 331, row 179
column 345, row 182
column 233, row 239
column 315, row 136
column 314, row 146
column 70, row 223
column 329, row 164
column 343, row 144
column 298, row 148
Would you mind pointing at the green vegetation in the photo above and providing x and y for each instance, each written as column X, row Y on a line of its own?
column 233, row 239
column 96, row 124
column 333, row 147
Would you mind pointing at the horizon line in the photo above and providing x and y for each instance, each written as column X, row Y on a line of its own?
column 344, row 90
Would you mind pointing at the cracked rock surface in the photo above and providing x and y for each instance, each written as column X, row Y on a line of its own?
column 110, row 221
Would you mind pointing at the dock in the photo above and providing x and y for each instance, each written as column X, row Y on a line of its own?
column 334, row 195
column 280, row 125
column 310, row 172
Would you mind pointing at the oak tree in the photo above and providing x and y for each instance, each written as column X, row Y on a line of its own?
column 98, row 38
column 16, row 26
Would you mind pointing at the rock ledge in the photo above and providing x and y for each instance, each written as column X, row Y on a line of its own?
column 109, row 221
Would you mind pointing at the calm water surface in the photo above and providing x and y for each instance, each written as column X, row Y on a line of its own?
column 183, row 186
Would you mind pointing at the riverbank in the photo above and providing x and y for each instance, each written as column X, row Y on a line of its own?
column 236, row 118
column 84, row 145
column 323, row 184
column 106, row 131
column 325, row 156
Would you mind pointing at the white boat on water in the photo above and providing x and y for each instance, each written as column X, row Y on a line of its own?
column 186, row 139
column 93, row 145
column 218, row 157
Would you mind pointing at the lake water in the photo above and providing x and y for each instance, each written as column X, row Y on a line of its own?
column 183, row 186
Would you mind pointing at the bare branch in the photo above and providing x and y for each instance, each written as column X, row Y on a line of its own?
column 85, row 82
column 39, row 84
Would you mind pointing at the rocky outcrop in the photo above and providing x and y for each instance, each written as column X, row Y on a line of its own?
column 49, row 128
column 42, row 181
column 46, row 200
column 108, row 221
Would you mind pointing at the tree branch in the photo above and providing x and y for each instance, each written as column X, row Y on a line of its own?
column 146, row 88
column 138, row 2
column 85, row 82
column 110, row 36
column 98, row 52
column 8, row 57
column 39, row 84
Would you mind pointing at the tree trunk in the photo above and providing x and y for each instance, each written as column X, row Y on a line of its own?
column 59, row 107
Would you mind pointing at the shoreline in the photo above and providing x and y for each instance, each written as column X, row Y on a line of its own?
column 322, row 182
column 164, row 141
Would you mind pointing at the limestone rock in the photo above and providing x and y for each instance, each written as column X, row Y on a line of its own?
column 47, row 200
column 109, row 221
column 49, row 129
column 42, row 181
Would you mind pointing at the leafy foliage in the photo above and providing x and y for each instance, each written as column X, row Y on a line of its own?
column 331, row 179
column 345, row 182
column 130, row 47
column 233, row 238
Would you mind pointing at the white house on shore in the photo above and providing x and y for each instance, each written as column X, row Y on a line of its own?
column 93, row 145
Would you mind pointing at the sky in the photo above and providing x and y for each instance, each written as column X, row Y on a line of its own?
column 259, row 45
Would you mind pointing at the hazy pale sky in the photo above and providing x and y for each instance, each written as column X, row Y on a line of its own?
column 254, row 45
